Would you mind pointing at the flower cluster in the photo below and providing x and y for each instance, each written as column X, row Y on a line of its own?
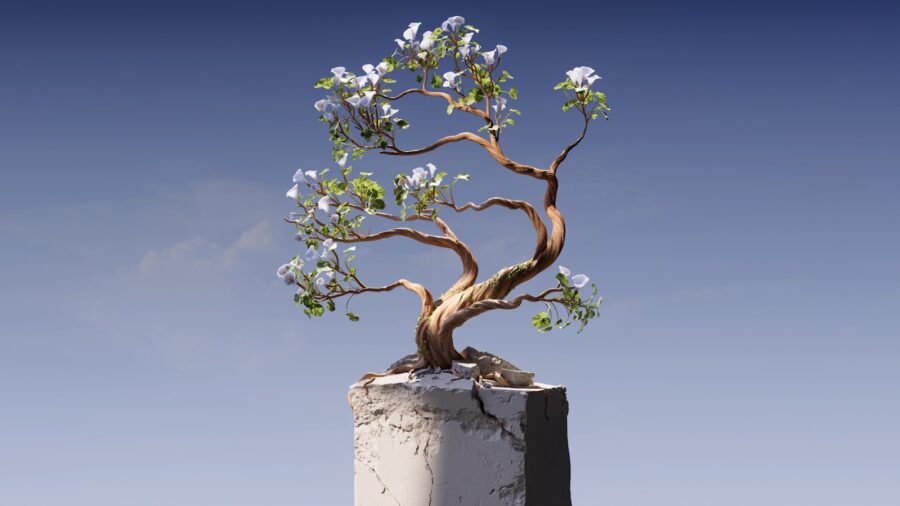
column 577, row 281
column 426, row 186
column 592, row 104
column 577, row 308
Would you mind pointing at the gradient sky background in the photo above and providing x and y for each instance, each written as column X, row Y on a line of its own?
column 739, row 212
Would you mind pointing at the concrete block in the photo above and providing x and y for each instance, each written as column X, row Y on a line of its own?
column 441, row 440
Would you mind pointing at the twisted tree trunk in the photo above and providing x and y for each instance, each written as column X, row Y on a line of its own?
column 434, row 333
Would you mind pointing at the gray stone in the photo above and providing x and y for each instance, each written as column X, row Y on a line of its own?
column 408, row 360
column 465, row 370
column 440, row 440
column 517, row 378
column 487, row 362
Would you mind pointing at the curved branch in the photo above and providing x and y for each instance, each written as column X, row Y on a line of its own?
column 493, row 149
column 470, row 266
column 457, row 319
column 428, row 93
column 416, row 288
column 522, row 205
column 565, row 152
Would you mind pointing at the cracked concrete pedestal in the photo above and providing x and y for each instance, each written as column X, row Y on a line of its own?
column 438, row 440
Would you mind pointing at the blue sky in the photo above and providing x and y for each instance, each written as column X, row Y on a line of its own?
column 739, row 213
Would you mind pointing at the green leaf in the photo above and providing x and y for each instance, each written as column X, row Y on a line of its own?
column 352, row 317
column 325, row 82
column 542, row 322
column 314, row 309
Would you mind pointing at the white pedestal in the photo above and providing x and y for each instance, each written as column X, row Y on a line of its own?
column 440, row 441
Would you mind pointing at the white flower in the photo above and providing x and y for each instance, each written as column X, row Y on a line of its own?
column 311, row 254
column 499, row 104
column 582, row 77
column 431, row 169
column 324, row 204
column 289, row 278
column 464, row 47
column 490, row 57
column 324, row 277
column 450, row 79
column 579, row 280
column 388, row 111
column 294, row 192
column 361, row 81
column 400, row 43
column 326, row 105
column 328, row 245
column 284, row 269
column 342, row 161
column 427, row 42
column 351, row 248
column 367, row 99
column 340, row 73
column 334, row 218
column 357, row 101
column 453, row 22
column 374, row 73
column 419, row 175
column 410, row 33
column 307, row 177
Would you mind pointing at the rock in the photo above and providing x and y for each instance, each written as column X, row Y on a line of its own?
column 517, row 378
column 410, row 359
column 487, row 362
column 440, row 440
column 465, row 370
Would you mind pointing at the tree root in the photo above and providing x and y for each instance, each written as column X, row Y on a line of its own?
column 369, row 377
column 495, row 376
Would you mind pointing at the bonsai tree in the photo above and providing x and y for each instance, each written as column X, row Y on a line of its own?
column 362, row 114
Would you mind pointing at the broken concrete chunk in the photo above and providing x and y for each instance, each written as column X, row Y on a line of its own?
column 465, row 370
column 487, row 362
column 517, row 378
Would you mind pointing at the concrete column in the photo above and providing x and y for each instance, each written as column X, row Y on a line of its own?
column 439, row 440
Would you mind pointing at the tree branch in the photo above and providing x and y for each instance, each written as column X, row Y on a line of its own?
column 522, row 205
column 428, row 93
column 458, row 318
column 470, row 266
column 565, row 152
column 493, row 149
column 416, row 288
